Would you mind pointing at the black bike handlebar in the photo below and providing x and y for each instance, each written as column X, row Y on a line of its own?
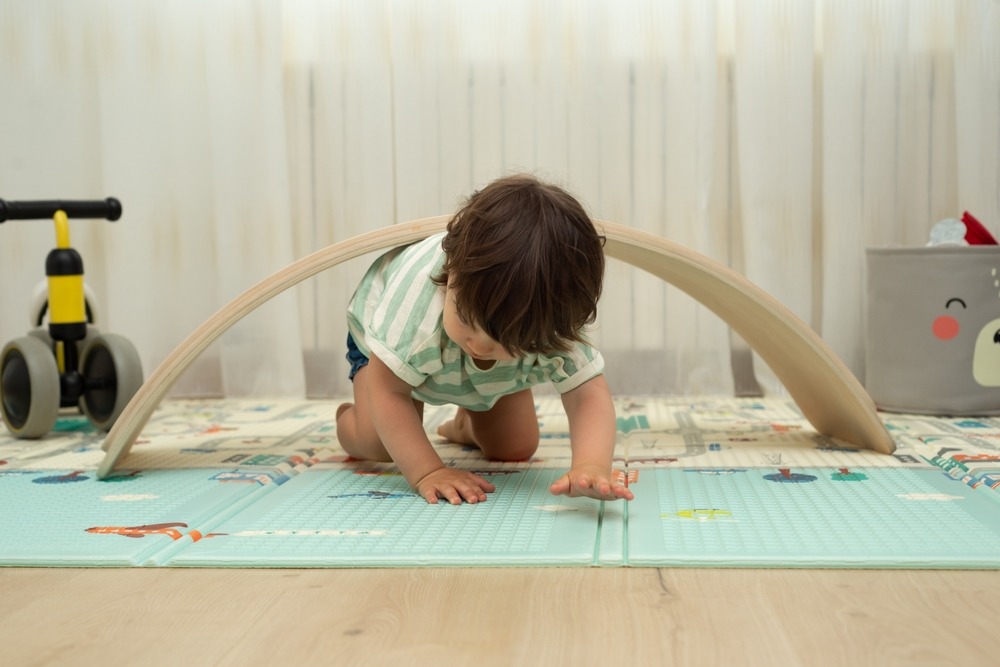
column 110, row 209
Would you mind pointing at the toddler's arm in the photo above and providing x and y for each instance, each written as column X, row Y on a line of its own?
column 402, row 433
column 592, row 433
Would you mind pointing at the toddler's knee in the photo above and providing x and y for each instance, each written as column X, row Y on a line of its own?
column 366, row 451
column 359, row 442
column 521, row 450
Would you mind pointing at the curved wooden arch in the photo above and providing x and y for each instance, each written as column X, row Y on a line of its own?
column 828, row 394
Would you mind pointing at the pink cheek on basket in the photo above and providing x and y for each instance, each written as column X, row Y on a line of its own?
column 945, row 327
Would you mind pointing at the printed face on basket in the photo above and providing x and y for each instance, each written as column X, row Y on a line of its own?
column 955, row 316
column 473, row 341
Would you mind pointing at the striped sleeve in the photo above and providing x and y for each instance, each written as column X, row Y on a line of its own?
column 396, row 310
column 568, row 371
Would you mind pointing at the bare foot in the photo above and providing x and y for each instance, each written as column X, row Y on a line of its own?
column 459, row 429
column 343, row 407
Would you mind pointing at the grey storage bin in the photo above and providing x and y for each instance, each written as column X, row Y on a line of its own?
column 932, row 330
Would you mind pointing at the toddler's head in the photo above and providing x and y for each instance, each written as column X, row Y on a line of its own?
column 526, row 265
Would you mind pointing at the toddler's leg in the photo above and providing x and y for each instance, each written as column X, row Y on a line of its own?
column 355, row 428
column 507, row 432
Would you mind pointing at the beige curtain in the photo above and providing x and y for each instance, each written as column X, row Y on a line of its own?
column 781, row 137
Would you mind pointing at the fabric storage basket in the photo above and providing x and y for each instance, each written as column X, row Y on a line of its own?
column 932, row 330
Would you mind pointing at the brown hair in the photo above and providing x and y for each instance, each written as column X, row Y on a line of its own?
column 526, row 263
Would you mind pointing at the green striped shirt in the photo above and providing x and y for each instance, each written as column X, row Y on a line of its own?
column 397, row 314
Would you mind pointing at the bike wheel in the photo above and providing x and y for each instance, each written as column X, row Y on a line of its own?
column 112, row 373
column 29, row 386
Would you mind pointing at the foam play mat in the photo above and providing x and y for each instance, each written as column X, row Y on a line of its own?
column 719, row 482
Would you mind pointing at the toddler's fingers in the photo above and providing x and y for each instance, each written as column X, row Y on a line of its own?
column 470, row 492
column 603, row 487
column 619, row 491
column 455, row 487
column 450, row 494
column 473, row 494
column 560, row 487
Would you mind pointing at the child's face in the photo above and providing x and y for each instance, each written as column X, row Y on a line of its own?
column 472, row 340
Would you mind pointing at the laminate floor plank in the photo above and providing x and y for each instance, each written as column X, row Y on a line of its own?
column 490, row 616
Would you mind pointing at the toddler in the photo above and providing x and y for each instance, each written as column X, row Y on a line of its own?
column 474, row 317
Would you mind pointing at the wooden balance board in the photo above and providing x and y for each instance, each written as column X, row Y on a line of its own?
column 828, row 394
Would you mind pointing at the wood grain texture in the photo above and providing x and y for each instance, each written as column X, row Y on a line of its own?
column 486, row 617
column 828, row 394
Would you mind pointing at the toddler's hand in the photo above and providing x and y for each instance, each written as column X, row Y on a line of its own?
column 454, row 486
column 590, row 481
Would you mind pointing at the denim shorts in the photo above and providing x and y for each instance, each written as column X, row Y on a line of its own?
column 354, row 357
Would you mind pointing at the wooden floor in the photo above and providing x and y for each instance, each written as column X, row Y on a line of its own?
column 555, row 616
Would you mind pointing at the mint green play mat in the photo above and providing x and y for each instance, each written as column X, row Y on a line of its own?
column 719, row 482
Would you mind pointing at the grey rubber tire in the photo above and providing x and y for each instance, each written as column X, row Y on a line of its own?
column 112, row 373
column 29, row 387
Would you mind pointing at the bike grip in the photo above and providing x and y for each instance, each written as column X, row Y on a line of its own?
column 109, row 208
